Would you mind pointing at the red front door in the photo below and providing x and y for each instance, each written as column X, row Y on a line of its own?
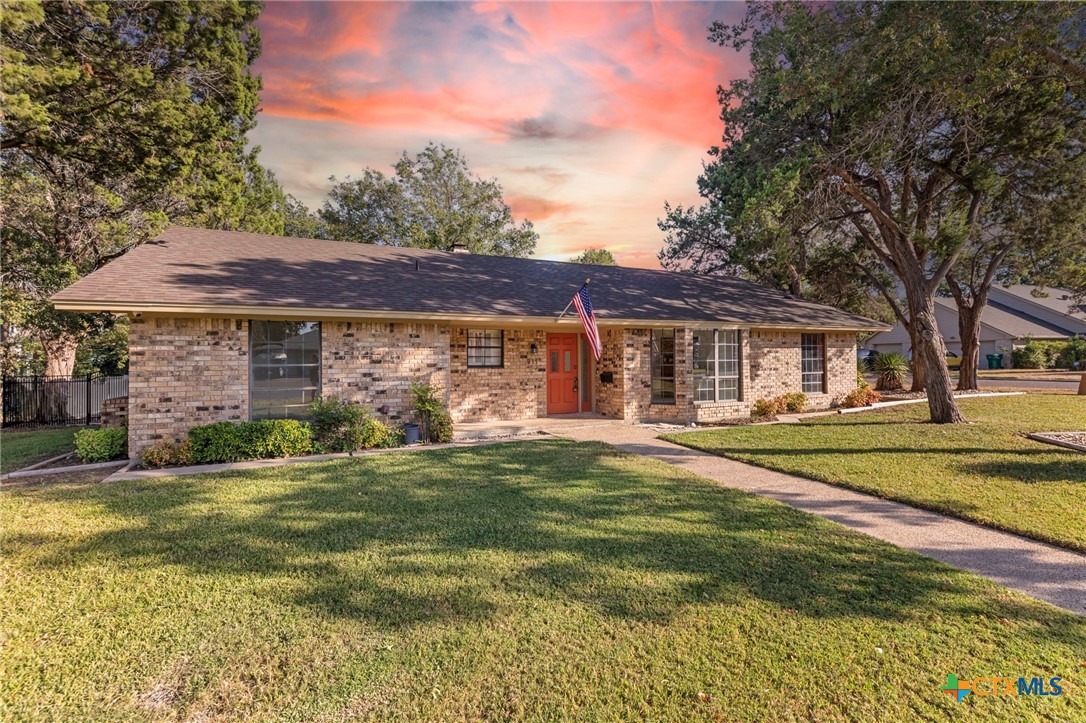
column 561, row 373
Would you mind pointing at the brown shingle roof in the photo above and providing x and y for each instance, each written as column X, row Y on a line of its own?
column 200, row 268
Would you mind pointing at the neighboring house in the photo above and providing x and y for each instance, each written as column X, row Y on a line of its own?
column 229, row 326
column 1013, row 314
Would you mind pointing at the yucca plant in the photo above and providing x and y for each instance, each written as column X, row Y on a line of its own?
column 892, row 369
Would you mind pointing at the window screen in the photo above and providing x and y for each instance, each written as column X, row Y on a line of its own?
column 284, row 368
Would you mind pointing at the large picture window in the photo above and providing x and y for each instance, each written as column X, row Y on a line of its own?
column 662, row 362
column 716, row 365
column 814, row 363
column 485, row 347
column 284, row 368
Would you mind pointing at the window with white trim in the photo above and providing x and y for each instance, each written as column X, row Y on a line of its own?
column 485, row 347
column 813, row 356
column 716, row 365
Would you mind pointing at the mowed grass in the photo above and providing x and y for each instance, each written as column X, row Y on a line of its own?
column 20, row 449
column 536, row 580
column 986, row 471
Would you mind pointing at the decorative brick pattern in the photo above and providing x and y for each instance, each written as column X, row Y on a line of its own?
column 374, row 364
column 114, row 412
column 516, row 390
column 184, row 372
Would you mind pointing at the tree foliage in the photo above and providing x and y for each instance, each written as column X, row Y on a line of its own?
column 889, row 135
column 433, row 201
column 120, row 117
column 598, row 257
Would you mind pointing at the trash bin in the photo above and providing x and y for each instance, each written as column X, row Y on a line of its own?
column 410, row 434
column 995, row 361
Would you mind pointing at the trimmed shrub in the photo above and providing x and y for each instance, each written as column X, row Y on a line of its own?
column 237, row 441
column 892, row 369
column 101, row 445
column 863, row 396
column 271, row 438
column 434, row 420
column 767, row 409
column 793, row 403
column 167, row 453
column 340, row 426
column 215, row 443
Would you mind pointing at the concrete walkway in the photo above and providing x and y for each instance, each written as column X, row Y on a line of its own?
column 1048, row 573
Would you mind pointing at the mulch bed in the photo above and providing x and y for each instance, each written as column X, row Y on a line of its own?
column 1078, row 439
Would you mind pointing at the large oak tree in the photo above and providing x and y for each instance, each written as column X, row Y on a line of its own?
column 894, row 128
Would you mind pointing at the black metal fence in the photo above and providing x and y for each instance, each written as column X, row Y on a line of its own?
column 35, row 401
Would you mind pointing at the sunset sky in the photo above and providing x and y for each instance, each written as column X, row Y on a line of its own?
column 589, row 115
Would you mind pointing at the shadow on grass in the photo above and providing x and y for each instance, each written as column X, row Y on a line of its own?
column 465, row 535
column 1071, row 468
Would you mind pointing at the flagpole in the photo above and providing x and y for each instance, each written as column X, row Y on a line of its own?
column 570, row 303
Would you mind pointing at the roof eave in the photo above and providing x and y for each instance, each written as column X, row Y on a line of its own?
column 302, row 312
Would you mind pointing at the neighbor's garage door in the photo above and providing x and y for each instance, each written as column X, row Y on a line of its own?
column 888, row 348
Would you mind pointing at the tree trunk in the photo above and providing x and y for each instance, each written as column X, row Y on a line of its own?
column 59, row 355
column 59, row 362
column 969, row 330
column 918, row 361
column 932, row 355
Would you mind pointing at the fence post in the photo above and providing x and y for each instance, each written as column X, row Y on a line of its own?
column 88, row 384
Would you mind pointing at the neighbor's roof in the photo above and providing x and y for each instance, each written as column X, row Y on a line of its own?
column 1055, row 299
column 1012, row 323
column 200, row 272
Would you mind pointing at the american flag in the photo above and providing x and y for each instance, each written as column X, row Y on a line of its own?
column 583, row 302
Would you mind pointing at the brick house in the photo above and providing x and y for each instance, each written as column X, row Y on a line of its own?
column 232, row 326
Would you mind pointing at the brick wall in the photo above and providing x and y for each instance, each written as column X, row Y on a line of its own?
column 184, row 372
column 375, row 363
column 114, row 412
column 190, row 371
column 517, row 390
column 775, row 365
column 770, row 366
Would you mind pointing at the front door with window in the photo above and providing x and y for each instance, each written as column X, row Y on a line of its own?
column 561, row 373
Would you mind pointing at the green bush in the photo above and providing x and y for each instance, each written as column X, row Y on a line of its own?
column 219, row 442
column 891, row 370
column 237, row 441
column 101, row 445
column 434, row 420
column 1035, row 354
column 340, row 426
column 272, row 438
column 1073, row 354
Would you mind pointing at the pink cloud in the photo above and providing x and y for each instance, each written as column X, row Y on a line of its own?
column 590, row 114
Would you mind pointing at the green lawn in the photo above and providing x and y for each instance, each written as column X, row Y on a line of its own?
column 537, row 580
column 20, row 449
column 987, row 471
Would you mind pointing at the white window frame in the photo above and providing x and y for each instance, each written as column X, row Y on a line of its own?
column 719, row 344
column 812, row 368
